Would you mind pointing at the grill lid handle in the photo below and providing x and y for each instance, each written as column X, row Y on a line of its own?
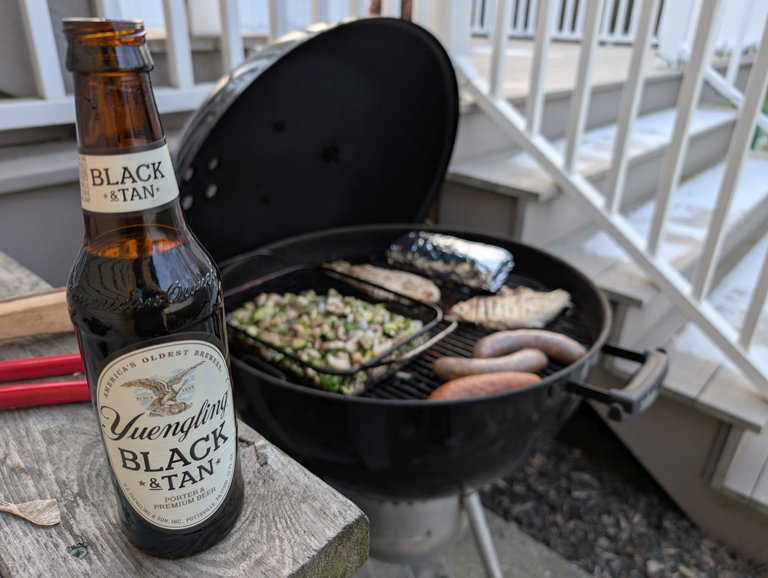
column 641, row 390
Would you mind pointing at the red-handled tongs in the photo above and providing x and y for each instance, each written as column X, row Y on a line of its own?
column 29, row 394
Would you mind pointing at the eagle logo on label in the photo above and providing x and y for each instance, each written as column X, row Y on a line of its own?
column 168, row 396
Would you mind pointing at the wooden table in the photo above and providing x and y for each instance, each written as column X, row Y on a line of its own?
column 292, row 524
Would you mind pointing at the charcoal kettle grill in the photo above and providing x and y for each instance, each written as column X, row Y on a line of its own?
column 328, row 146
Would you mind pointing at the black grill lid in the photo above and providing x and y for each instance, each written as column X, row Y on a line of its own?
column 348, row 126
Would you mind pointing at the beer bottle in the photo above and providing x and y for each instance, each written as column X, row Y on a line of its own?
column 145, row 299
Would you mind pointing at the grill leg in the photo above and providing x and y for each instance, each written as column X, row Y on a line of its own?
column 482, row 534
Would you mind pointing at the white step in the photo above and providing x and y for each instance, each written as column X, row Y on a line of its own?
column 517, row 174
column 747, row 477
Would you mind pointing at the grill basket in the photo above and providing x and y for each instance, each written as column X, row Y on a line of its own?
column 321, row 279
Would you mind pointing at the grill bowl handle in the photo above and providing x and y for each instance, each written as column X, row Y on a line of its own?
column 641, row 390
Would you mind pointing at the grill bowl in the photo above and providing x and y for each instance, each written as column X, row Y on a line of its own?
column 389, row 448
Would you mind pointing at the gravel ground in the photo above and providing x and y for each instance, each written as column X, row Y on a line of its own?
column 586, row 497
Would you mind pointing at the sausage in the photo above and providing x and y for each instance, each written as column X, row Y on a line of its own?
column 555, row 345
column 523, row 360
column 485, row 384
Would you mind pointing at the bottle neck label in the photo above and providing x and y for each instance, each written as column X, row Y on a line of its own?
column 128, row 182
column 168, row 424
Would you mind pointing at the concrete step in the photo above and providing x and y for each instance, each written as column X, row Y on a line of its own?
column 544, row 214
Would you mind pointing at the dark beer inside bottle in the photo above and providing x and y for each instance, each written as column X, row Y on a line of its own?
column 141, row 277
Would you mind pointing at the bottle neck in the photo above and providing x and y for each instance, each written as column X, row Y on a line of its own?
column 115, row 112
column 123, row 158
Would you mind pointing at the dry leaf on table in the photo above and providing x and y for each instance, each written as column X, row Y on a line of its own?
column 40, row 512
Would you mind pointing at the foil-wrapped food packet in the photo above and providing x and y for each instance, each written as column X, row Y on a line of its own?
column 474, row 264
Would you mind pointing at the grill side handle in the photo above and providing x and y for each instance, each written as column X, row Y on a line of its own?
column 638, row 394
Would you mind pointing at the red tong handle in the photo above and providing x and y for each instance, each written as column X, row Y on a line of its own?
column 32, row 367
column 29, row 394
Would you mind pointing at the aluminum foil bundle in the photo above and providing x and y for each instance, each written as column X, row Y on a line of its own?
column 474, row 264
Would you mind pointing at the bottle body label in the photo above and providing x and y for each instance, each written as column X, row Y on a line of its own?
column 168, row 424
column 123, row 183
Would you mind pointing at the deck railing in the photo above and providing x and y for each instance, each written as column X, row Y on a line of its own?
column 697, row 48
column 35, row 82
column 617, row 21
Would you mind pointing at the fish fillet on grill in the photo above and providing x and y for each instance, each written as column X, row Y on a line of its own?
column 512, row 308
column 403, row 282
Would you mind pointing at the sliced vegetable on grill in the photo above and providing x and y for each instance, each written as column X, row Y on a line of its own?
column 330, row 332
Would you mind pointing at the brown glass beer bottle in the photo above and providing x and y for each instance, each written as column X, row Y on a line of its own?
column 145, row 299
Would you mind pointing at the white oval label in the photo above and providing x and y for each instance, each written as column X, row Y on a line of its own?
column 168, row 424
column 127, row 182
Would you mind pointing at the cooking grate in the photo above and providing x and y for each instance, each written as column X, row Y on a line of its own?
column 416, row 380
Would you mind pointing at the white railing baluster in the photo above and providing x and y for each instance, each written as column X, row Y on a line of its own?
column 582, row 9
column 525, row 9
column 108, row 9
column 621, row 18
column 420, row 12
column 676, row 20
column 390, row 8
column 687, row 102
column 754, row 96
column 605, row 20
column 278, row 18
column 535, row 101
column 566, row 17
column 629, row 106
column 633, row 22
column 42, row 48
column 477, row 27
column 755, row 308
column 499, row 52
column 533, row 14
column 321, row 11
column 734, row 61
column 577, row 115
column 232, row 48
column 177, row 43
column 515, row 28
column 451, row 23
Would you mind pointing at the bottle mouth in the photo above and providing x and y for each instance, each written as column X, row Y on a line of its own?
column 104, row 32
column 104, row 45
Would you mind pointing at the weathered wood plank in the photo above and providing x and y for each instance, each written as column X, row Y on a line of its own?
column 292, row 523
